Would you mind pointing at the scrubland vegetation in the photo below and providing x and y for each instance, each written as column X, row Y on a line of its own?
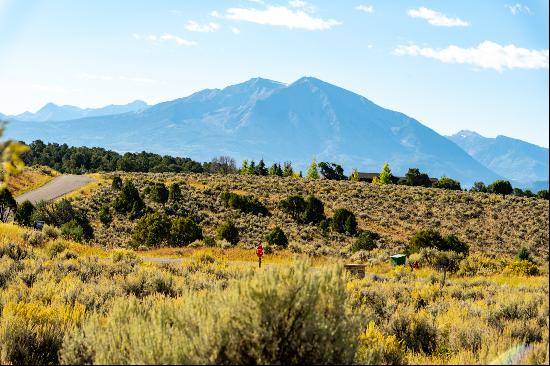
column 86, row 288
column 64, row 302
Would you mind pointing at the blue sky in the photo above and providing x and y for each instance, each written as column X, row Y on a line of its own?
column 479, row 65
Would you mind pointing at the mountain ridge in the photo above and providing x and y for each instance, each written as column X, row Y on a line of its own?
column 306, row 119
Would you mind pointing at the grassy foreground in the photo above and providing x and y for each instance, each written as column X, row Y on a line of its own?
column 65, row 302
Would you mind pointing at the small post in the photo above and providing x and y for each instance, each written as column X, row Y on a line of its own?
column 260, row 253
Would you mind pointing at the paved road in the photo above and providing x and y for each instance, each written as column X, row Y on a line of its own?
column 55, row 188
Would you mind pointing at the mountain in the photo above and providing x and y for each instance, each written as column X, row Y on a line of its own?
column 524, row 163
column 263, row 118
column 53, row 112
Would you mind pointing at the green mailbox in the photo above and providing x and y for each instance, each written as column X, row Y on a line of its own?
column 398, row 259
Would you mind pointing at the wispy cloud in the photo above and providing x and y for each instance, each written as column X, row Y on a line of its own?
column 235, row 30
column 166, row 37
column 194, row 26
column 436, row 18
column 518, row 8
column 48, row 88
column 487, row 55
column 365, row 8
column 282, row 16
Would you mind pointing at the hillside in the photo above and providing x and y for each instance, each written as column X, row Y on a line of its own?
column 524, row 163
column 263, row 118
column 490, row 224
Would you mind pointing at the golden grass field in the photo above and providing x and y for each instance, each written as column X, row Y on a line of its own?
column 30, row 178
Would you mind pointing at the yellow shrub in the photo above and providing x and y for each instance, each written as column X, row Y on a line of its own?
column 377, row 349
column 522, row 268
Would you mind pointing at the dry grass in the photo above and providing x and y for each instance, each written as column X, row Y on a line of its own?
column 30, row 178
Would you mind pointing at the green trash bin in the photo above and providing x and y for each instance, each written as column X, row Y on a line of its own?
column 398, row 259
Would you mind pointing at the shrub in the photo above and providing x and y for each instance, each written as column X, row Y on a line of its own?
column 72, row 230
column 24, row 213
column 184, row 231
column 13, row 251
column 522, row 268
column 105, row 216
column 36, row 238
column 377, row 349
column 479, row 187
column 129, row 200
column 33, row 333
column 416, row 179
column 124, row 255
column 502, row 187
column 524, row 255
column 543, row 194
column 294, row 206
column 416, row 331
column 116, row 183
column 243, row 203
column 62, row 212
column 54, row 248
column 447, row 183
column 283, row 316
column 174, row 192
column 159, row 193
column 365, row 241
column 229, row 232
column 430, row 238
column 51, row 231
column 151, row 230
column 277, row 237
column 344, row 222
column 8, row 205
column 314, row 211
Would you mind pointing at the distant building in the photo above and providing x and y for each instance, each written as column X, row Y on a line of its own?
column 368, row 177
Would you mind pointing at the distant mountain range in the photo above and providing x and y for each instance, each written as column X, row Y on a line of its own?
column 53, row 112
column 266, row 119
column 524, row 163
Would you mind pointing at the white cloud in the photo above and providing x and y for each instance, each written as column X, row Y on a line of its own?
column 193, row 26
column 87, row 76
column 45, row 88
column 235, row 30
column 365, row 8
column 518, row 8
column 279, row 16
column 487, row 55
column 435, row 18
column 297, row 3
column 170, row 38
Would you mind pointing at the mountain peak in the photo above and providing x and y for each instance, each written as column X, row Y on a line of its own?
column 466, row 134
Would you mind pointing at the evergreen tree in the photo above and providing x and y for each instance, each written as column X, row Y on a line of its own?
column 287, row 169
column 261, row 168
column 24, row 213
column 244, row 168
column 312, row 172
column 354, row 177
column 502, row 187
column 386, row 176
column 174, row 192
column 252, row 168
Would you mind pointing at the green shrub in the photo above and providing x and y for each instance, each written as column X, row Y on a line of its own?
column 502, row 187
column 447, row 183
column 377, row 349
column 62, row 212
column 430, row 238
column 116, row 183
column 105, row 216
column 174, row 192
column 344, row 222
column 36, row 238
column 8, row 205
column 13, row 251
column 293, row 206
column 184, row 231
column 245, row 204
column 277, row 237
column 524, row 255
column 314, row 211
column 229, row 232
column 72, row 231
column 158, row 193
column 365, row 241
column 129, row 200
column 24, row 213
column 151, row 230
